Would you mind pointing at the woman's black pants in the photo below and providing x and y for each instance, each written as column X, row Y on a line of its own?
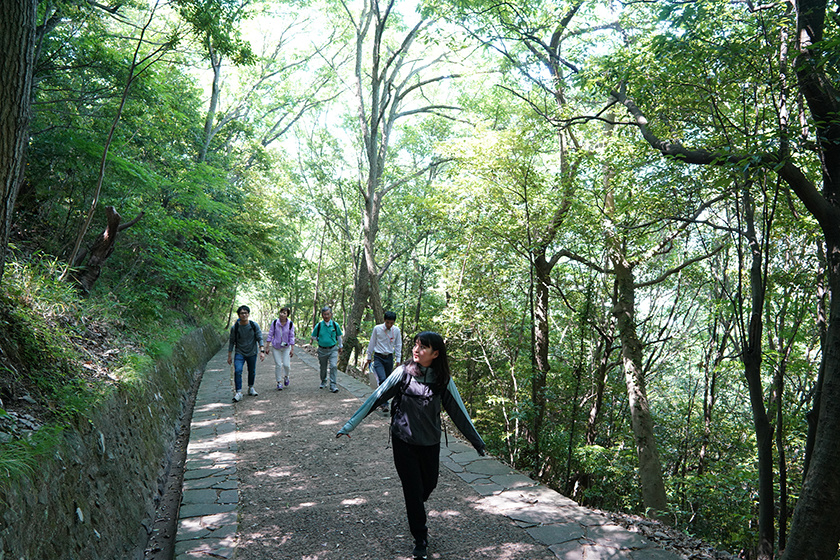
column 418, row 467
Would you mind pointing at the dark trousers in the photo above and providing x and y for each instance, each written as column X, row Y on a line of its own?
column 418, row 467
column 382, row 366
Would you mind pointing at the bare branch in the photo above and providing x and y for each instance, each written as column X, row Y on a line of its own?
column 582, row 260
column 676, row 269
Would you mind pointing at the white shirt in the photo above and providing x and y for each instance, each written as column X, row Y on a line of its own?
column 385, row 341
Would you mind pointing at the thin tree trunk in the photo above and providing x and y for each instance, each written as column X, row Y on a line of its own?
column 710, row 372
column 316, row 295
column 751, row 356
column 421, row 291
column 601, row 366
column 137, row 66
column 780, row 450
column 215, row 89
column 823, row 293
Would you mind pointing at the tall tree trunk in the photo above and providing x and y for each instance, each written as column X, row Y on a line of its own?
column 719, row 336
column 779, row 383
column 215, row 90
column 17, row 61
column 371, row 229
column 650, row 468
column 361, row 295
column 542, row 281
column 823, row 293
column 654, row 498
column 815, row 532
column 751, row 356
column 601, row 366
column 378, row 98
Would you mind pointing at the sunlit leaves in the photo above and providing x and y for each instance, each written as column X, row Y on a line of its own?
column 215, row 22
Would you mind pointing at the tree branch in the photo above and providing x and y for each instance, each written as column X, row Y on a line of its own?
column 676, row 269
column 826, row 215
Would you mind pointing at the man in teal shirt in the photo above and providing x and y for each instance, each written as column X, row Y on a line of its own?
column 328, row 335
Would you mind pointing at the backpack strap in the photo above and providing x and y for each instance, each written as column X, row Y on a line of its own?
column 404, row 383
column 274, row 324
column 395, row 402
column 236, row 330
column 318, row 330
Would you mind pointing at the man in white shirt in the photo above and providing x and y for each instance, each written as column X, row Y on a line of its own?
column 385, row 349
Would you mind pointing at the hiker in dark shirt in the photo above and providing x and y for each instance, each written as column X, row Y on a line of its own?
column 419, row 389
column 246, row 339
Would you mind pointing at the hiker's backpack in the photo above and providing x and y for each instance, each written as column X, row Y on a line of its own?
column 274, row 322
column 424, row 409
column 291, row 325
column 421, row 400
column 254, row 328
column 318, row 329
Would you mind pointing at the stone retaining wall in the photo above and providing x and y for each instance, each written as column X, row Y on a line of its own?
column 95, row 499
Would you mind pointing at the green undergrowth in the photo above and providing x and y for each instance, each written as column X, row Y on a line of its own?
column 60, row 356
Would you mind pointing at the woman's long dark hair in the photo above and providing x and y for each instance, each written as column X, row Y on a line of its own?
column 440, row 364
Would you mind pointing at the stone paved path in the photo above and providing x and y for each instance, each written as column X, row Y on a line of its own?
column 549, row 524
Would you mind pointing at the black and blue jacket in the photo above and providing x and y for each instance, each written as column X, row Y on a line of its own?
column 415, row 410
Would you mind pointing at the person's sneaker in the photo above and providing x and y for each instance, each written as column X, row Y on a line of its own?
column 252, row 391
column 237, row 396
column 334, row 389
column 286, row 381
column 279, row 386
column 323, row 386
column 420, row 550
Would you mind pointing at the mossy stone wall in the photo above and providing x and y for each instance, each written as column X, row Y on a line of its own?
column 95, row 498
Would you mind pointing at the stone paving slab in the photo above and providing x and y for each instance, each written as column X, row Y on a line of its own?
column 208, row 521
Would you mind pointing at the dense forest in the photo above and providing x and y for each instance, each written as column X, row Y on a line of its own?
column 624, row 217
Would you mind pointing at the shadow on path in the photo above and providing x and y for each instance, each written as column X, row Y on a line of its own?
column 265, row 478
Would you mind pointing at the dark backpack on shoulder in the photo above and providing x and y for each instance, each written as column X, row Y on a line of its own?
column 254, row 328
column 318, row 329
column 274, row 322
column 420, row 400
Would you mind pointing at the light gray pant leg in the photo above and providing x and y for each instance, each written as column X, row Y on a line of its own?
column 278, row 364
column 323, row 360
column 333, row 366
